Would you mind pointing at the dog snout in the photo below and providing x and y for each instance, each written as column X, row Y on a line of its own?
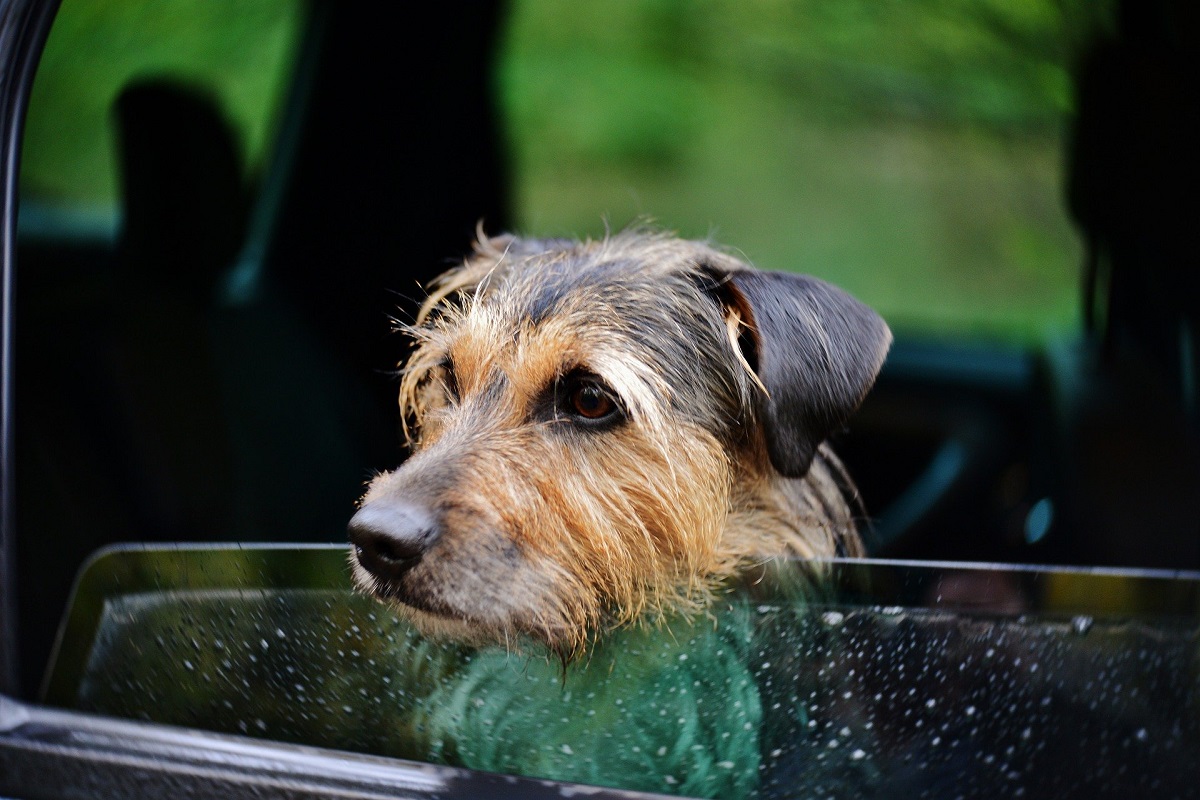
column 389, row 538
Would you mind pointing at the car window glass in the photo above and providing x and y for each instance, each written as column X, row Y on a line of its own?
column 875, row 677
column 896, row 149
column 235, row 54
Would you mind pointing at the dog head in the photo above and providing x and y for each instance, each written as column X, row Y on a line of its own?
column 584, row 419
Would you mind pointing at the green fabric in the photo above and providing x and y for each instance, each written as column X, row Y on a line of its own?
column 671, row 709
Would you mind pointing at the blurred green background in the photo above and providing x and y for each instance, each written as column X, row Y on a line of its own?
column 241, row 51
column 909, row 151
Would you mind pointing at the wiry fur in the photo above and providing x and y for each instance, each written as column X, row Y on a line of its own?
column 554, row 530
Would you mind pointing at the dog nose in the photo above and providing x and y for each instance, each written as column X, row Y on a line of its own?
column 390, row 538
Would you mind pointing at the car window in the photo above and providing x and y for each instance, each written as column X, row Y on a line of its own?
column 237, row 55
column 891, row 148
column 842, row 678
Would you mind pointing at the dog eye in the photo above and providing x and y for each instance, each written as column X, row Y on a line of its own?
column 591, row 402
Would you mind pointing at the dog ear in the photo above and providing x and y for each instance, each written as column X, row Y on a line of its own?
column 816, row 351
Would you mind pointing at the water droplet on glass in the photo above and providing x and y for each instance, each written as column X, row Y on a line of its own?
column 566, row 748
column 833, row 618
column 1039, row 520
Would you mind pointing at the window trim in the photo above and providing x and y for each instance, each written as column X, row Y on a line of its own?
column 24, row 26
column 47, row 752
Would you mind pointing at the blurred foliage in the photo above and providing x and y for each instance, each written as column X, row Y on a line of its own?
column 237, row 49
column 909, row 151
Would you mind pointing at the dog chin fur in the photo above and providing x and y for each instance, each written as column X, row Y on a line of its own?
column 463, row 628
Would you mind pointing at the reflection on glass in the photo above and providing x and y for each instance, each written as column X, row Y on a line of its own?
column 890, row 681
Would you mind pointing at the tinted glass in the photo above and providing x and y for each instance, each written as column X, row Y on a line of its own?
column 877, row 679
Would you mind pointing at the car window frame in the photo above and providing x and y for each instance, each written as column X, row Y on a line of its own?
column 24, row 26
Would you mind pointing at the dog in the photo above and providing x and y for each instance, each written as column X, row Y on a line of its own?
column 606, row 435
column 610, row 430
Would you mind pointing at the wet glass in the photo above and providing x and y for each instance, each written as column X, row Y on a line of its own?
column 841, row 678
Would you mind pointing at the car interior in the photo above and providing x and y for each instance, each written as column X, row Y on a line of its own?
column 212, row 358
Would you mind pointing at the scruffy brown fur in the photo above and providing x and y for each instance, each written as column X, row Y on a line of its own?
column 519, row 515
